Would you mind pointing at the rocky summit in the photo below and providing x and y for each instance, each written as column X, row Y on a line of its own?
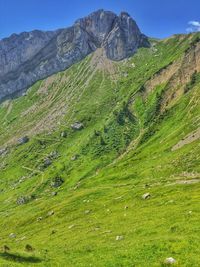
column 31, row 56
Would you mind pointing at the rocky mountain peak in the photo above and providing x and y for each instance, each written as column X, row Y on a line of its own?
column 28, row 57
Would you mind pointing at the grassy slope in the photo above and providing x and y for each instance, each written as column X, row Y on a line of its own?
column 109, row 178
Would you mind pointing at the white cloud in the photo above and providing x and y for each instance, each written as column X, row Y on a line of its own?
column 194, row 23
column 194, row 26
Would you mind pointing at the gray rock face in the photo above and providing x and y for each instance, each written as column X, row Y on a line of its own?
column 23, row 140
column 124, row 38
column 29, row 57
column 57, row 182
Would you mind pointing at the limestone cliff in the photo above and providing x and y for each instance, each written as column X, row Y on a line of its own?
column 28, row 57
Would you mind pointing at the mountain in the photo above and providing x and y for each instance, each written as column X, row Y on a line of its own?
column 100, row 162
column 29, row 57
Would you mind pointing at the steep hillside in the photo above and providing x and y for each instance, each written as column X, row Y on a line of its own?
column 79, row 150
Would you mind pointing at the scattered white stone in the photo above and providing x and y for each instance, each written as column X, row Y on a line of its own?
column 119, row 237
column 107, row 232
column 63, row 134
column 50, row 213
column 87, row 211
column 77, row 126
column 146, row 196
column 118, row 198
column 12, row 235
column 86, row 201
column 39, row 219
column 170, row 260
column 71, row 226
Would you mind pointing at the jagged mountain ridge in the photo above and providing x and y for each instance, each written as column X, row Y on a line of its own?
column 29, row 57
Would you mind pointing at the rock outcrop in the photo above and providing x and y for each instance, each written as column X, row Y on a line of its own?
column 29, row 57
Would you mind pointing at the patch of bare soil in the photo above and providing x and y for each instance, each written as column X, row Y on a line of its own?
column 46, row 84
column 190, row 63
column 30, row 110
column 99, row 61
column 176, row 76
column 163, row 76
column 187, row 140
column 185, row 182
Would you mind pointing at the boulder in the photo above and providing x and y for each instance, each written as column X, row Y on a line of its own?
column 22, row 200
column 23, row 140
column 63, row 134
column 47, row 162
column 146, row 196
column 57, row 182
column 119, row 237
column 54, row 155
column 50, row 213
column 3, row 151
column 75, row 157
column 170, row 260
column 77, row 126
column 12, row 235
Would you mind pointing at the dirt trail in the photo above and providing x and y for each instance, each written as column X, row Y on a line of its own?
column 9, row 106
column 185, row 182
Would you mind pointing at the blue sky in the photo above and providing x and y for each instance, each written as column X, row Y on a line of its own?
column 156, row 18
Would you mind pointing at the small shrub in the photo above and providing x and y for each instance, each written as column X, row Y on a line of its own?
column 28, row 248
